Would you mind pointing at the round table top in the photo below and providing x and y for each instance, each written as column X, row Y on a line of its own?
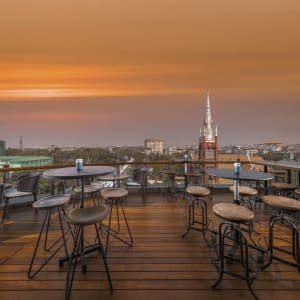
column 282, row 202
column 112, row 177
column 243, row 175
column 283, row 185
column 72, row 173
column 233, row 212
column 197, row 190
column 245, row 190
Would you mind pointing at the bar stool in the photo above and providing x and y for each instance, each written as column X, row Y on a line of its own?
column 171, row 182
column 115, row 197
column 297, row 193
column 51, row 204
column 88, row 190
column 283, row 188
column 81, row 217
column 246, row 194
column 230, row 230
column 196, row 194
column 287, row 212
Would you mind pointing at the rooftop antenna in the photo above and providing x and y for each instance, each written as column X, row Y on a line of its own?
column 21, row 144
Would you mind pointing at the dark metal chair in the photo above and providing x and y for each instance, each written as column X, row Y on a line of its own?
column 138, row 180
column 27, row 185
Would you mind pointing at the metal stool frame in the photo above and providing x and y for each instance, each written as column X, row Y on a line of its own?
column 283, row 219
column 191, row 218
column 110, row 231
column 233, row 232
column 46, row 222
column 77, row 250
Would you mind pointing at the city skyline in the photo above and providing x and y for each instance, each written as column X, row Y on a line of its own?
column 107, row 73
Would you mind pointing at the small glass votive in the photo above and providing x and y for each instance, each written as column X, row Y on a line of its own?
column 79, row 164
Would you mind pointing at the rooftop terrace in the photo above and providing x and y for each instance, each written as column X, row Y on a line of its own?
column 160, row 265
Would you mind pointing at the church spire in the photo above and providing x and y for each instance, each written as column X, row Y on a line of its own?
column 208, row 132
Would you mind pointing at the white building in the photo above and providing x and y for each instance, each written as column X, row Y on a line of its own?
column 154, row 146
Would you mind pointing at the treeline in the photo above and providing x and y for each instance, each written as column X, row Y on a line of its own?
column 89, row 155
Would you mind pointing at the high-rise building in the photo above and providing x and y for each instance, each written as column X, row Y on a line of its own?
column 2, row 148
column 154, row 146
column 208, row 143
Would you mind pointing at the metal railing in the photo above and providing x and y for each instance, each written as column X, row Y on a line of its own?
column 156, row 169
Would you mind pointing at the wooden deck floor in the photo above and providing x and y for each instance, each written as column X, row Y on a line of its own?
column 160, row 265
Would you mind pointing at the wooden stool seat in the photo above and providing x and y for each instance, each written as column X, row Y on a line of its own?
column 197, row 190
column 52, row 202
column 245, row 190
column 233, row 212
column 87, row 216
column 297, row 192
column 88, row 189
column 283, row 185
column 114, row 193
column 282, row 202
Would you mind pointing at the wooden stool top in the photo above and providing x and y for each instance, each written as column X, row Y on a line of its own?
column 245, row 190
column 114, row 193
column 233, row 212
column 283, row 186
column 52, row 201
column 197, row 190
column 297, row 192
column 282, row 202
column 87, row 189
column 87, row 215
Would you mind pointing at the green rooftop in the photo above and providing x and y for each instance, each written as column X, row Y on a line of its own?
column 25, row 161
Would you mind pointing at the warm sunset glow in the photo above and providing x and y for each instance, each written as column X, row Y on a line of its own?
column 147, row 62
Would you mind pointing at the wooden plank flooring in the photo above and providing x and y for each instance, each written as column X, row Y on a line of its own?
column 160, row 265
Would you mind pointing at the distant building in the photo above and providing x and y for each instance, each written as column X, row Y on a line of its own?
column 2, row 148
column 153, row 146
column 208, row 145
column 25, row 161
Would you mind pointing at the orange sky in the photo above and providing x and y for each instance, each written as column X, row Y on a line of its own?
column 245, row 52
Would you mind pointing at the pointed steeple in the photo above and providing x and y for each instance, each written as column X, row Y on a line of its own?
column 209, row 130
column 207, row 118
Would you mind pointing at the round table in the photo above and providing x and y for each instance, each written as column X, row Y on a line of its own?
column 243, row 175
column 73, row 173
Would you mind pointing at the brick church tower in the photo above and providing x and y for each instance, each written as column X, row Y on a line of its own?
column 208, row 143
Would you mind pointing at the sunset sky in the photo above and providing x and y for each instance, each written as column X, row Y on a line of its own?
column 97, row 73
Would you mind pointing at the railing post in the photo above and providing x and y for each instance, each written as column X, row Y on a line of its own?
column 266, row 182
column 289, row 176
column 146, row 175
column 6, row 174
column 297, row 178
